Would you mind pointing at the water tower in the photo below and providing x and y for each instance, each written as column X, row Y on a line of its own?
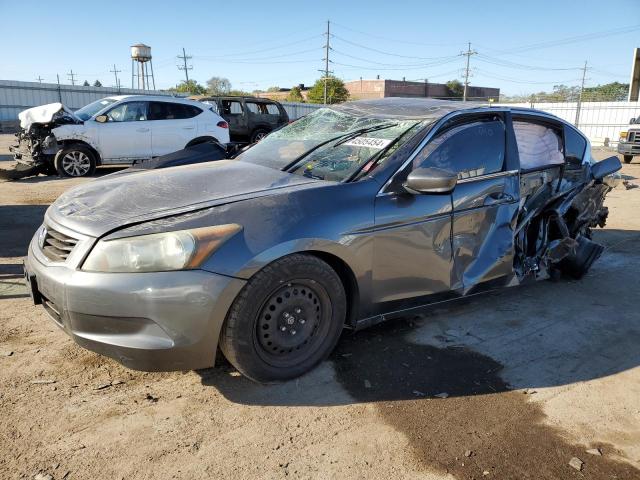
column 140, row 64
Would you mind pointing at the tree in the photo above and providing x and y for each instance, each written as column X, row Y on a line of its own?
column 610, row 92
column 455, row 89
column 97, row 83
column 192, row 87
column 273, row 89
column 218, row 86
column 295, row 94
column 86, row 84
column 336, row 91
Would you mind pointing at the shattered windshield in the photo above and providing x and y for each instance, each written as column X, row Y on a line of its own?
column 88, row 111
column 331, row 145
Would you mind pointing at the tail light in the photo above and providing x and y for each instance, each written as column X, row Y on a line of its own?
column 223, row 124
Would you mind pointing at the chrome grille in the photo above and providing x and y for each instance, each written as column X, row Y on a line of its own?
column 57, row 246
column 634, row 137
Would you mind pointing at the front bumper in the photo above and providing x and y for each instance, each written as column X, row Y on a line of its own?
column 146, row 321
column 628, row 148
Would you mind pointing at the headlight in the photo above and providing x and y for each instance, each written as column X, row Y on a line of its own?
column 623, row 135
column 159, row 252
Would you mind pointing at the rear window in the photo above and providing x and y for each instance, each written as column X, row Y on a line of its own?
column 261, row 108
column 575, row 146
column 538, row 145
column 231, row 107
column 172, row 111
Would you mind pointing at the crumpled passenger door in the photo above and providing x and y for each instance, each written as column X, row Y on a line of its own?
column 485, row 202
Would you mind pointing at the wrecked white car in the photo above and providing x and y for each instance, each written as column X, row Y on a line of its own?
column 114, row 130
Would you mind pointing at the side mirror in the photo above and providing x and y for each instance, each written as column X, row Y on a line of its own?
column 102, row 118
column 430, row 180
column 632, row 121
column 605, row 167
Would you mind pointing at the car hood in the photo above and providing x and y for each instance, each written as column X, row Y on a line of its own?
column 55, row 113
column 106, row 204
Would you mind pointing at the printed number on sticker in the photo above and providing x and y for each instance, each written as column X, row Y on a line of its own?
column 378, row 143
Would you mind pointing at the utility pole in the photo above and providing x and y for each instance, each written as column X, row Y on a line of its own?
column 186, row 68
column 579, row 104
column 72, row 77
column 115, row 72
column 59, row 90
column 326, row 62
column 467, row 54
column 39, row 79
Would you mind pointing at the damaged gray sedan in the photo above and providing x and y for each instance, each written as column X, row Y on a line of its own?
column 352, row 215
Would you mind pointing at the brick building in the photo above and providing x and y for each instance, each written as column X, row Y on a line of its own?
column 363, row 89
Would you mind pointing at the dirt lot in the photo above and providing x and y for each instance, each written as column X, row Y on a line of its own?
column 534, row 376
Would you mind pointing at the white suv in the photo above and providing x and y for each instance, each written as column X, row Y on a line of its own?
column 114, row 130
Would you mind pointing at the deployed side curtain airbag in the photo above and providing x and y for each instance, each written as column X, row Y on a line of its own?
column 538, row 146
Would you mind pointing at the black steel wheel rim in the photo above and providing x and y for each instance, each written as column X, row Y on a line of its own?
column 292, row 322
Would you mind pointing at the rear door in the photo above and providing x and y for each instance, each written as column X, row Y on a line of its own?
column 173, row 125
column 233, row 112
column 263, row 115
column 126, row 136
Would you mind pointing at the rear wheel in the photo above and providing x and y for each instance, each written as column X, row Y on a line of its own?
column 258, row 135
column 75, row 160
column 628, row 158
column 286, row 320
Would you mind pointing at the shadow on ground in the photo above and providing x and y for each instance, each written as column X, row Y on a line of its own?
column 545, row 334
column 445, row 379
column 18, row 223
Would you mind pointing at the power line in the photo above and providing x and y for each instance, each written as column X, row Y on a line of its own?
column 575, row 39
column 244, row 60
column 416, row 64
column 395, row 39
column 419, row 67
column 467, row 54
column 383, row 52
column 517, row 80
column 186, row 68
column 509, row 64
column 284, row 45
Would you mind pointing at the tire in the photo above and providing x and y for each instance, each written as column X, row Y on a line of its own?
column 628, row 158
column 286, row 320
column 258, row 134
column 75, row 160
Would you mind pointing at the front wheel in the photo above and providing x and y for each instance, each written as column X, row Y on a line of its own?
column 286, row 320
column 628, row 158
column 75, row 160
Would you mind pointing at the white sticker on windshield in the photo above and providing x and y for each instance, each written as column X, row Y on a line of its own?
column 368, row 142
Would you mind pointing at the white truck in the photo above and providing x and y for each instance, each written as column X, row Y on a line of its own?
column 629, row 142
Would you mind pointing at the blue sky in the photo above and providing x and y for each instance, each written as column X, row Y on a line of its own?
column 260, row 44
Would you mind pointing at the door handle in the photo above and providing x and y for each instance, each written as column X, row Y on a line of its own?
column 188, row 128
column 142, row 130
column 497, row 197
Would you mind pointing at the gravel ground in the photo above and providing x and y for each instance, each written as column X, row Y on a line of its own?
column 532, row 376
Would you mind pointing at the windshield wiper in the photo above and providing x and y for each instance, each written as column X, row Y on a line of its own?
column 345, row 137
